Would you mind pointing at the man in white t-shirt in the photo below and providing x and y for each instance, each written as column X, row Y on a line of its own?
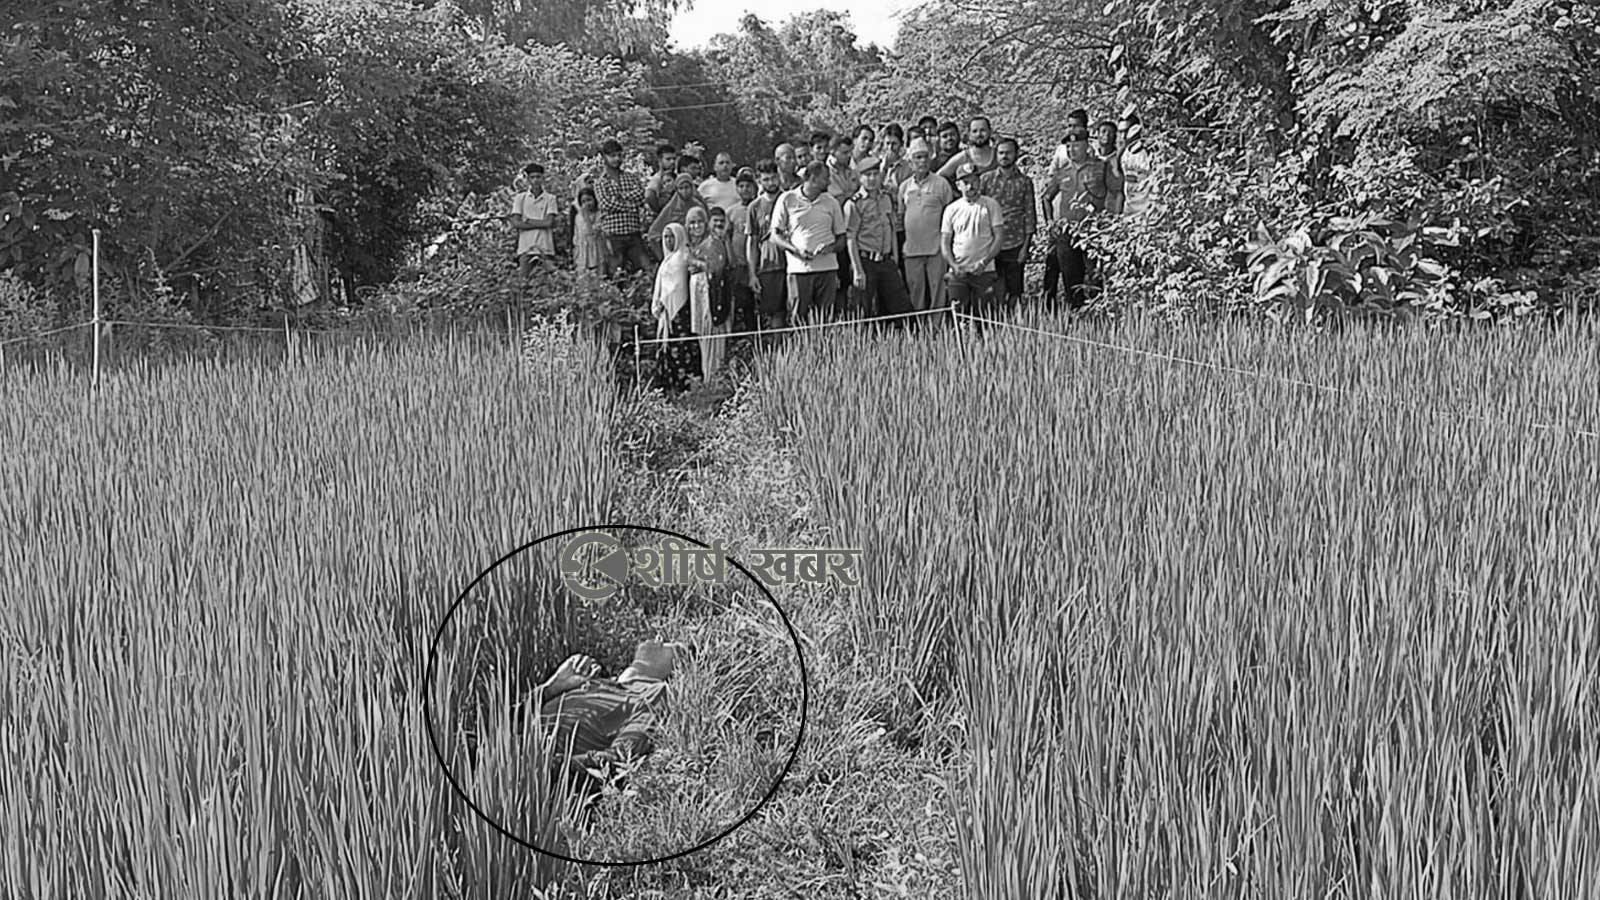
column 720, row 189
column 809, row 225
column 533, row 214
column 970, row 240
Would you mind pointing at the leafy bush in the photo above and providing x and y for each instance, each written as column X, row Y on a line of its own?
column 1365, row 263
column 25, row 311
column 469, row 271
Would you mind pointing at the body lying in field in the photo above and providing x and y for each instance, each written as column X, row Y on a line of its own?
column 598, row 722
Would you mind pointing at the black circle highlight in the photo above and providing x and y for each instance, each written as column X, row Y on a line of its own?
column 433, row 740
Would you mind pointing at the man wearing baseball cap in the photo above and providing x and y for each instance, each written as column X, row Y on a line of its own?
column 869, row 229
column 970, row 240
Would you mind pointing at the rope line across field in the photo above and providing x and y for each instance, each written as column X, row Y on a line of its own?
column 948, row 310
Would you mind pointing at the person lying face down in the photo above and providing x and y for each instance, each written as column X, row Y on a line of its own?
column 598, row 721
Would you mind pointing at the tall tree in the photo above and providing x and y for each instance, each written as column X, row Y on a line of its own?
column 160, row 124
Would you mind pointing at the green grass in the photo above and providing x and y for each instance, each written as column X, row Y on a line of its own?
column 1130, row 628
column 1215, row 636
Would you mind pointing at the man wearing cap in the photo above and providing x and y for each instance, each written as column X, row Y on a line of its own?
column 597, row 722
column 1077, row 191
column 923, row 197
column 970, row 235
column 720, row 189
column 621, row 199
column 876, row 287
column 808, row 223
column 1013, row 189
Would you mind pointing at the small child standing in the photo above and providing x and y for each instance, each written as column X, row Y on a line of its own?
column 589, row 250
column 533, row 214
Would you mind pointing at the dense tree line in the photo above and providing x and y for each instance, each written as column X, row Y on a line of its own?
column 211, row 141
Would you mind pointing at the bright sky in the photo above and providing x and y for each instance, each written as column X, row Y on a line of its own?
column 874, row 21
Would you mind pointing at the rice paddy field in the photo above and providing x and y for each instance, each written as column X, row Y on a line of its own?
column 1330, row 629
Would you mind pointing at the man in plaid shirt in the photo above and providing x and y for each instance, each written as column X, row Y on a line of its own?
column 1014, row 189
column 621, row 198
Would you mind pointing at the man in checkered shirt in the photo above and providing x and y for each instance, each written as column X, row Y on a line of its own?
column 621, row 198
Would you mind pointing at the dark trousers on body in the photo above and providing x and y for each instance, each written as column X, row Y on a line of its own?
column 1067, row 262
column 973, row 293
column 885, row 292
column 1009, row 271
column 744, row 300
column 811, row 296
column 629, row 250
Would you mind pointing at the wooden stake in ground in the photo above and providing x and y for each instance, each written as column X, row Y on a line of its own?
column 95, row 376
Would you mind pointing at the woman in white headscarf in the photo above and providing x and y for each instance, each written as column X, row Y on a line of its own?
column 679, row 359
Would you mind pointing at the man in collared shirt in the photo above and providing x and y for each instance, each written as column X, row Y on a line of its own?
column 970, row 235
column 896, row 169
column 1014, row 190
column 768, row 267
column 924, row 197
column 809, row 225
column 869, row 230
column 621, row 199
column 1077, row 190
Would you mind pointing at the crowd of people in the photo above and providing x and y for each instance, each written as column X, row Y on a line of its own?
column 877, row 222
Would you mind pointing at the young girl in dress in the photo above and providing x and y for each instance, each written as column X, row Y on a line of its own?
column 589, row 251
